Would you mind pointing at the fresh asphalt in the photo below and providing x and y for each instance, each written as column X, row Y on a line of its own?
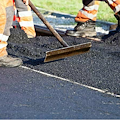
column 29, row 94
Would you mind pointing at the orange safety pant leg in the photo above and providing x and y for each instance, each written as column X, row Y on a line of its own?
column 114, row 5
column 89, row 11
column 25, row 18
column 6, row 13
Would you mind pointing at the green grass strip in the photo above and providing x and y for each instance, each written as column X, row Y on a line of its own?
column 73, row 6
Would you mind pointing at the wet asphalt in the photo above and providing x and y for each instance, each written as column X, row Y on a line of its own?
column 27, row 94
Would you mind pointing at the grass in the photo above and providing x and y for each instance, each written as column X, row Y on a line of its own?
column 72, row 7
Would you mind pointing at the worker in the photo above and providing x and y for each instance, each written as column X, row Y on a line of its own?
column 86, row 17
column 6, row 19
column 24, row 17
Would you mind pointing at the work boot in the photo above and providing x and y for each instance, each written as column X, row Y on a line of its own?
column 8, row 61
column 83, row 29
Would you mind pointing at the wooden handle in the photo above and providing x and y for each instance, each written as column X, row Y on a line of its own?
column 48, row 25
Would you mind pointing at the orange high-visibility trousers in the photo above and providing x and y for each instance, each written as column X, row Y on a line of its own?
column 25, row 18
column 90, row 9
column 6, row 19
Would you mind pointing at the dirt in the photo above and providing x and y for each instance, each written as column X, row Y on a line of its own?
column 99, row 67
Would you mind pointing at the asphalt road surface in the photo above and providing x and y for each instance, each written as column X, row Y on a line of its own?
column 30, row 94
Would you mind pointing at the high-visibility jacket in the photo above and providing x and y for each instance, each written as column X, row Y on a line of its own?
column 6, row 19
column 90, row 9
column 24, row 17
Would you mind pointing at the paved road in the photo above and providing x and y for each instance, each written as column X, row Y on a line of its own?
column 26, row 94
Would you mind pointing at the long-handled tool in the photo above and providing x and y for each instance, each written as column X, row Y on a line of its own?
column 63, row 52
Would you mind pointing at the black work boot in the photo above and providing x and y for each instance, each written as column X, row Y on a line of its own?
column 83, row 29
column 8, row 61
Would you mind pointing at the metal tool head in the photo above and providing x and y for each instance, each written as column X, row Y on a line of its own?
column 67, row 51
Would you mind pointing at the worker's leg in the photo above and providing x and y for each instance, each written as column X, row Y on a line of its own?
column 115, row 6
column 25, row 18
column 85, row 19
column 88, row 12
column 6, row 18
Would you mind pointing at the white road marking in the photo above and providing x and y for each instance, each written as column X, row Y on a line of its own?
column 64, row 79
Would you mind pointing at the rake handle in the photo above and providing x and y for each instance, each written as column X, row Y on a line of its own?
column 48, row 25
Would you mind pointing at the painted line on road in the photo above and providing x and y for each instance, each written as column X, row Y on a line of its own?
column 64, row 79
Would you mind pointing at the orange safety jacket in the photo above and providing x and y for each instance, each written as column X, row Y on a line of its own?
column 6, row 19
column 23, row 16
column 90, row 9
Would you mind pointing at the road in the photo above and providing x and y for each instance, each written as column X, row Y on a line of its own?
column 30, row 94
